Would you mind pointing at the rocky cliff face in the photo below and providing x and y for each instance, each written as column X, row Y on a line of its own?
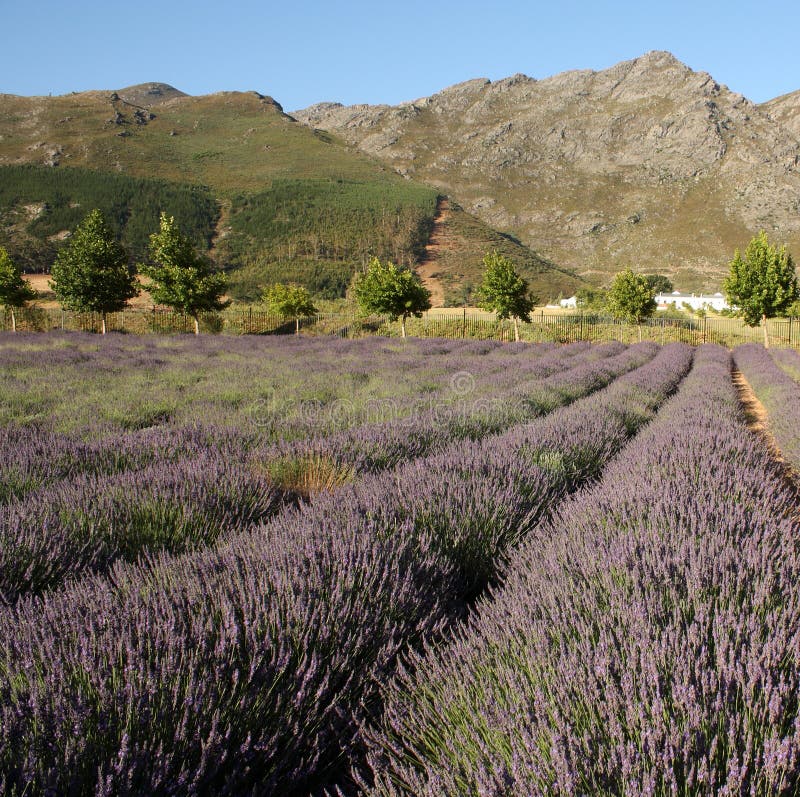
column 648, row 163
column 785, row 111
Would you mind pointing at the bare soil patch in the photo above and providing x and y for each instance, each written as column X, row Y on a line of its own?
column 47, row 299
column 440, row 241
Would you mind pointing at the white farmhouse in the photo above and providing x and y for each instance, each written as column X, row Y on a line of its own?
column 694, row 301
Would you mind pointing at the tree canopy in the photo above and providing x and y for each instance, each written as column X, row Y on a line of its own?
column 182, row 278
column 659, row 283
column 91, row 273
column 588, row 298
column 504, row 291
column 631, row 297
column 289, row 301
column 762, row 284
column 15, row 291
column 391, row 290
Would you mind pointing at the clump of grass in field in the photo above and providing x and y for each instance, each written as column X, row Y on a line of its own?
column 308, row 474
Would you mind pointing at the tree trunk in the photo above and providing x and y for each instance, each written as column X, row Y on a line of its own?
column 297, row 325
column 639, row 327
column 103, row 323
column 766, row 331
column 196, row 325
column 516, row 329
column 13, row 320
column 403, row 325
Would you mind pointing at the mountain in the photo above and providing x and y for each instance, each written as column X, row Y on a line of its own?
column 270, row 198
column 148, row 95
column 648, row 163
column 229, row 141
column 785, row 111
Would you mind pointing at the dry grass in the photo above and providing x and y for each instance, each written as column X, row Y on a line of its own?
column 307, row 475
column 232, row 141
column 48, row 301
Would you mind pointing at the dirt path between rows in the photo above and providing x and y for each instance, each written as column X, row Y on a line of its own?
column 757, row 419
column 439, row 241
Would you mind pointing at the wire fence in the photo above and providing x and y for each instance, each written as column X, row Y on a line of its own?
column 544, row 327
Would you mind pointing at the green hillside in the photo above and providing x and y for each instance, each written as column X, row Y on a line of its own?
column 231, row 142
column 268, row 197
column 458, row 263
column 40, row 206
column 319, row 232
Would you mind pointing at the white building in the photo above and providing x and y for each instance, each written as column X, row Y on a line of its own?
column 695, row 301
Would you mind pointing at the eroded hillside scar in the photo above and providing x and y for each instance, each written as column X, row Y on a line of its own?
column 440, row 240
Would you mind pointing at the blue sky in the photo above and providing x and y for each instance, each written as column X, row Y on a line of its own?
column 305, row 52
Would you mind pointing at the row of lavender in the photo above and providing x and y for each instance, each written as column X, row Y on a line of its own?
column 33, row 456
column 252, row 665
column 773, row 376
column 78, row 384
column 646, row 639
column 182, row 489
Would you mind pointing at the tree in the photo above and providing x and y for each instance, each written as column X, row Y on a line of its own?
column 181, row 278
column 631, row 298
column 591, row 299
column 92, row 273
column 391, row 290
column 289, row 301
column 659, row 283
column 763, row 284
column 504, row 291
column 793, row 310
column 14, row 288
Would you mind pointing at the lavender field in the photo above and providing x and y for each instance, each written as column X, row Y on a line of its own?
column 316, row 566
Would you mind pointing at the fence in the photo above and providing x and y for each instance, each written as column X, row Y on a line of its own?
column 555, row 327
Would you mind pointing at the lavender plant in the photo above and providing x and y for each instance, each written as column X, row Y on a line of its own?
column 88, row 523
column 789, row 360
column 645, row 640
column 778, row 391
column 237, row 669
column 251, row 666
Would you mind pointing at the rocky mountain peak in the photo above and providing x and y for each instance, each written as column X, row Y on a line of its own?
column 785, row 110
column 149, row 94
column 566, row 161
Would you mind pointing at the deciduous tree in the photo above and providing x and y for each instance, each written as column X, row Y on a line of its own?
column 631, row 298
column 181, row 277
column 591, row 299
column 391, row 290
column 762, row 284
column 92, row 273
column 15, row 291
column 504, row 291
column 659, row 283
column 289, row 301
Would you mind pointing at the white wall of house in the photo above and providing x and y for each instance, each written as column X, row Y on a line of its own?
column 715, row 301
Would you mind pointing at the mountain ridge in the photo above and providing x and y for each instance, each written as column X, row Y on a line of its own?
column 648, row 163
column 291, row 203
column 645, row 162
